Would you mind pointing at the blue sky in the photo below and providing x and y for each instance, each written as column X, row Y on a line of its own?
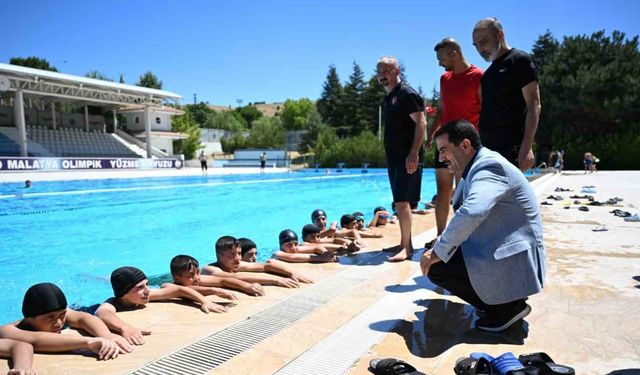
column 274, row 50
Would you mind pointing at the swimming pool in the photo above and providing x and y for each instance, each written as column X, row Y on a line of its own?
column 74, row 233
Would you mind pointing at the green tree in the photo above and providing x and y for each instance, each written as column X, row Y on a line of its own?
column 33, row 62
column 235, row 142
column 591, row 98
column 97, row 75
column 149, row 80
column 329, row 102
column 372, row 99
column 544, row 49
column 295, row 113
column 266, row 132
column 249, row 114
column 314, row 125
column 121, row 78
column 199, row 112
column 354, row 119
column 184, row 124
column 227, row 120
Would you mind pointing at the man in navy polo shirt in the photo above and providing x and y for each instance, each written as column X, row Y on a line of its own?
column 404, row 129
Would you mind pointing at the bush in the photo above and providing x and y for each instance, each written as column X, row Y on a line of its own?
column 230, row 144
column 364, row 148
column 606, row 147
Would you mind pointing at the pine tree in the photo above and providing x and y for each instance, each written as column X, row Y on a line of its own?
column 330, row 98
column 372, row 98
column 354, row 120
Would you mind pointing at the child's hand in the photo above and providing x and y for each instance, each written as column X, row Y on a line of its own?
column 226, row 294
column 134, row 335
column 301, row 279
column 212, row 307
column 287, row 282
column 104, row 348
column 256, row 290
column 123, row 344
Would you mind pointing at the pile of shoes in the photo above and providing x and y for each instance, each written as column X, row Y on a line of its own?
column 507, row 364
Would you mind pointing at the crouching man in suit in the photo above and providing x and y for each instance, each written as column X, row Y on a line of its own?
column 491, row 253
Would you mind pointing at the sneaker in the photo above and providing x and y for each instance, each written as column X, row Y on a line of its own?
column 503, row 319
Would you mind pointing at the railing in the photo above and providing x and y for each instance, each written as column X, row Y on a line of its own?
column 131, row 139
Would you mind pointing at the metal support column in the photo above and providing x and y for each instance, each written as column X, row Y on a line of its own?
column 53, row 116
column 147, row 129
column 18, row 115
column 86, row 118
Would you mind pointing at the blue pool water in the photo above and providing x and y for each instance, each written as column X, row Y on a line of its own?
column 74, row 233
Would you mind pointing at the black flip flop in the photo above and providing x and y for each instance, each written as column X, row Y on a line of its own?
column 472, row 366
column 392, row 366
column 545, row 364
column 583, row 208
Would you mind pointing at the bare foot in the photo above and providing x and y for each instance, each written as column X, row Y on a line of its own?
column 401, row 255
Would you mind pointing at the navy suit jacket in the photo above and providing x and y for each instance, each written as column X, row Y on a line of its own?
column 498, row 228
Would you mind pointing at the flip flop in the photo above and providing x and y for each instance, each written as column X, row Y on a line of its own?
column 600, row 228
column 545, row 203
column 391, row 366
column 473, row 366
column 507, row 364
column 620, row 213
column 545, row 364
column 583, row 208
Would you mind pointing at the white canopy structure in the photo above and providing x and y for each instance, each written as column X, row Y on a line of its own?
column 42, row 88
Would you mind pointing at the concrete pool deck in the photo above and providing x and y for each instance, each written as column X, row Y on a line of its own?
column 586, row 316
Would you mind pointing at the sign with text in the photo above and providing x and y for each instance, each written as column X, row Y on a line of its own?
column 57, row 164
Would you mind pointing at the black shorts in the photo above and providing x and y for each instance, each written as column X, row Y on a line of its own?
column 509, row 153
column 437, row 163
column 405, row 187
column 262, row 163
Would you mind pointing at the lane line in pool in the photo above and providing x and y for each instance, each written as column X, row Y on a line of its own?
column 207, row 184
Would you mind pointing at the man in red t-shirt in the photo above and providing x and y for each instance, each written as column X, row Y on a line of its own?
column 460, row 98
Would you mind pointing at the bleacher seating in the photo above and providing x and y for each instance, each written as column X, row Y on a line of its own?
column 8, row 147
column 69, row 142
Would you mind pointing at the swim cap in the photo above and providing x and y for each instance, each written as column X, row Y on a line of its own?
column 379, row 208
column 125, row 278
column 309, row 229
column 317, row 213
column 42, row 299
column 287, row 235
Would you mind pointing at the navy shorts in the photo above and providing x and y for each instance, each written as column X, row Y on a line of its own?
column 405, row 187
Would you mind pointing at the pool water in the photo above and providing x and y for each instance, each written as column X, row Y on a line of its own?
column 74, row 233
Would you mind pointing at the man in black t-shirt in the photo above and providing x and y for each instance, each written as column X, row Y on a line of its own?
column 510, row 96
column 404, row 129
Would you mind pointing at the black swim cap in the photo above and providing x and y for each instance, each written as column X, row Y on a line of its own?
column 309, row 229
column 378, row 209
column 317, row 213
column 287, row 235
column 42, row 299
column 125, row 278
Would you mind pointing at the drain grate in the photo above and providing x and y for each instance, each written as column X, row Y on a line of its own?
column 216, row 349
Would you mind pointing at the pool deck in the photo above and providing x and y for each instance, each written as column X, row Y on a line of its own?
column 586, row 317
